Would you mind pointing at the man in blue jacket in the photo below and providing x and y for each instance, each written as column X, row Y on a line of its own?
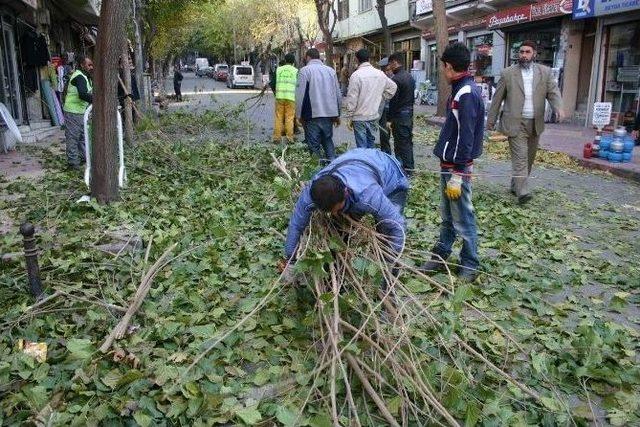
column 361, row 181
column 459, row 143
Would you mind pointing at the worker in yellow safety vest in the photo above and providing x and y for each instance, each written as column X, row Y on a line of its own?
column 79, row 95
column 285, row 90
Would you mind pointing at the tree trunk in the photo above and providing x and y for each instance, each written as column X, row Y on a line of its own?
column 325, row 10
column 137, row 23
column 442, row 40
column 388, row 45
column 104, row 155
column 128, row 107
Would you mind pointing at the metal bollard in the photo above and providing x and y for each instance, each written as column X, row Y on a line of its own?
column 31, row 256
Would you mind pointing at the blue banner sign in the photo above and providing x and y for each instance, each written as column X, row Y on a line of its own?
column 589, row 8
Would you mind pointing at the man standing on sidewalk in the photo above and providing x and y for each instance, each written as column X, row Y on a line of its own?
column 524, row 87
column 177, row 82
column 401, row 112
column 79, row 95
column 383, row 125
column 318, row 101
column 367, row 88
column 285, row 90
column 459, row 143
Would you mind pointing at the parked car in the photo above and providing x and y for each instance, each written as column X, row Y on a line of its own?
column 221, row 72
column 240, row 76
column 188, row 68
column 202, row 71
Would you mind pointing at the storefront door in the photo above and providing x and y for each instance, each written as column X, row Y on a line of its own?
column 9, row 82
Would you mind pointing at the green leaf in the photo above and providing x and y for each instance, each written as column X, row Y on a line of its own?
column 143, row 419
column 320, row 421
column 550, row 403
column 81, row 349
column 111, row 378
column 288, row 417
column 249, row 415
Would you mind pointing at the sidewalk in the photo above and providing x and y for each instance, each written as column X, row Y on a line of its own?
column 570, row 139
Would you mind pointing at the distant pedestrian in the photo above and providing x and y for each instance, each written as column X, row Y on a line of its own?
column 318, row 103
column 400, row 114
column 383, row 126
column 78, row 97
column 460, row 142
column 524, row 87
column 344, row 79
column 285, row 90
column 368, row 86
column 177, row 82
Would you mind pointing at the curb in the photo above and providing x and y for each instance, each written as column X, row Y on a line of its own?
column 620, row 172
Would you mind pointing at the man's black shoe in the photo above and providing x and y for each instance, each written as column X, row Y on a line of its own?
column 467, row 275
column 524, row 199
column 432, row 266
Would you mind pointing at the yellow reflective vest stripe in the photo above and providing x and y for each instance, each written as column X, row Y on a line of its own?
column 286, row 80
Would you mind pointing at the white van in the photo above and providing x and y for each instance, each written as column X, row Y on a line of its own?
column 201, row 63
column 240, row 76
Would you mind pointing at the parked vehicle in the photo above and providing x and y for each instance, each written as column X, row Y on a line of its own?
column 241, row 76
column 188, row 68
column 201, row 63
column 204, row 71
column 221, row 72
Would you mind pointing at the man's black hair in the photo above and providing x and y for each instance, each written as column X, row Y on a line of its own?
column 313, row 53
column 458, row 55
column 80, row 59
column 530, row 43
column 326, row 192
column 290, row 59
column 362, row 55
column 397, row 57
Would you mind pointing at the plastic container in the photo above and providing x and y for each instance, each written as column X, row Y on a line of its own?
column 626, row 157
column 605, row 142
column 629, row 143
column 615, row 157
column 603, row 154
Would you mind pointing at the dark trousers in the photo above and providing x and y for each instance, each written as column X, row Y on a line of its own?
column 318, row 133
column 178, row 92
column 385, row 133
column 402, row 131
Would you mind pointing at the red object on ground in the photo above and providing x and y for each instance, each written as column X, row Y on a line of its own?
column 587, row 152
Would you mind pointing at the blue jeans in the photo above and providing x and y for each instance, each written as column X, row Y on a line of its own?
column 364, row 133
column 458, row 219
column 318, row 133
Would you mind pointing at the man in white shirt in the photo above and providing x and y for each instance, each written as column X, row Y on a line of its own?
column 524, row 88
column 368, row 86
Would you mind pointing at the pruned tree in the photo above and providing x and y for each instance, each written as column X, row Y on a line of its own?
column 104, row 153
column 442, row 40
column 384, row 23
column 327, row 20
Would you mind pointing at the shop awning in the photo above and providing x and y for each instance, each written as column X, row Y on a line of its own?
column 85, row 12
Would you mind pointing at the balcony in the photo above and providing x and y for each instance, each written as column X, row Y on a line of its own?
column 86, row 12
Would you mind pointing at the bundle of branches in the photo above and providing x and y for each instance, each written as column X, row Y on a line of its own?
column 387, row 355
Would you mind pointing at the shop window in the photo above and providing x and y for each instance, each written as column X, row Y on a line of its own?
column 343, row 9
column 622, row 71
column 364, row 5
column 547, row 39
column 481, row 48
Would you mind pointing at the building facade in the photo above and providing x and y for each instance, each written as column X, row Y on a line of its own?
column 592, row 46
column 36, row 38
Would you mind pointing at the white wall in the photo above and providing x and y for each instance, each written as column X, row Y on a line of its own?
column 397, row 11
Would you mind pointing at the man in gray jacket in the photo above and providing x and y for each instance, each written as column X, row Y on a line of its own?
column 524, row 87
column 367, row 87
column 318, row 101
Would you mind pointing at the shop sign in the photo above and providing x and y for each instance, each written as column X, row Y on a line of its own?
column 32, row 3
column 423, row 6
column 533, row 12
column 464, row 25
column 601, row 114
column 589, row 8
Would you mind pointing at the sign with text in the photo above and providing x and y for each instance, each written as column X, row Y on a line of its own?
column 528, row 13
column 424, row 6
column 589, row 8
column 601, row 114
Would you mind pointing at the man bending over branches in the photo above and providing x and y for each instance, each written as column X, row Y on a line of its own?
column 361, row 181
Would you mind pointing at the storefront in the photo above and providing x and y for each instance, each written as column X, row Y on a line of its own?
column 616, row 57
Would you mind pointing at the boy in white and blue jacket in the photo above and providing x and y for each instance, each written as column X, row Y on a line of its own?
column 460, row 142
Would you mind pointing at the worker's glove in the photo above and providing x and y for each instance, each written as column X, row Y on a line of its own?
column 288, row 275
column 454, row 187
column 350, row 125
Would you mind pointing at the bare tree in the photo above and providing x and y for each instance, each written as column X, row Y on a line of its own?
column 327, row 19
column 139, row 62
column 380, row 7
column 442, row 40
column 104, row 155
